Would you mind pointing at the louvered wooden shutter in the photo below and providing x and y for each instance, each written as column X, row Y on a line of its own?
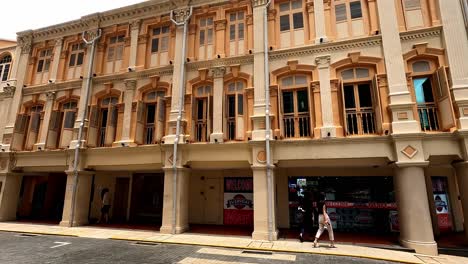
column 54, row 126
column 140, row 124
column 444, row 100
column 93, row 126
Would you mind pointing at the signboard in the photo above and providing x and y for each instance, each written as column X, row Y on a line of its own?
column 238, row 201
column 441, row 206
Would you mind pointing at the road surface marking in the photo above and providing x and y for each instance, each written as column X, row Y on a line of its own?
column 60, row 244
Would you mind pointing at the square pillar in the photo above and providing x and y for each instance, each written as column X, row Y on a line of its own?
column 321, row 34
column 401, row 103
column 218, row 97
column 323, row 64
column 83, row 192
column 9, row 194
column 130, row 85
column 135, row 31
column 263, row 230
column 182, row 201
column 413, row 209
column 56, row 59
column 461, row 169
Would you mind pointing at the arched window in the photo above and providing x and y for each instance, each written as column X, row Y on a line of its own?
column 61, row 125
column 291, row 23
column 361, row 101
column 234, row 113
column 295, row 109
column 432, row 95
column 35, row 121
column 103, row 122
column 151, row 117
column 202, row 112
column 5, row 64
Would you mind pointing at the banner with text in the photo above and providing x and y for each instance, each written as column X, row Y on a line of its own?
column 238, row 201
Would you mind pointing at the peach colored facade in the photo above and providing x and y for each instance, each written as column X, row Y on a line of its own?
column 375, row 88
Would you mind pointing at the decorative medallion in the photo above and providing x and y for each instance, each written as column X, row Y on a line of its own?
column 3, row 163
column 261, row 156
column 409, row 151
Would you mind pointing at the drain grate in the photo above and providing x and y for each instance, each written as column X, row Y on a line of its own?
column 27, row 235
column 257, row 252
column 142, row 243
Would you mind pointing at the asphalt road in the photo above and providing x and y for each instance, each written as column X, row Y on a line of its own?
column 15, row 249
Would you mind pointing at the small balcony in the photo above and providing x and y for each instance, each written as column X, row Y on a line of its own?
column 428, row 117
column 296, row 126
column 360, row 122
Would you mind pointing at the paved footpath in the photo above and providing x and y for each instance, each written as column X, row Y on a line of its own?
column 232, row 242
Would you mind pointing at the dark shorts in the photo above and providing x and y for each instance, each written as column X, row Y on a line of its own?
column 105, row 209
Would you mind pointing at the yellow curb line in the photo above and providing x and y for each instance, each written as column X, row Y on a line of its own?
column 38, row 233
column 270, row 249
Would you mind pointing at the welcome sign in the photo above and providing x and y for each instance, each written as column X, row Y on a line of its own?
column 238, row 201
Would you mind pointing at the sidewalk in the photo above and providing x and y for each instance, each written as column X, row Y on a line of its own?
column 291, row 246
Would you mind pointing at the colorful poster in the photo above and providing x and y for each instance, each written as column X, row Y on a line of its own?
column 393, row 219
column 238, row 201
column 441, row 206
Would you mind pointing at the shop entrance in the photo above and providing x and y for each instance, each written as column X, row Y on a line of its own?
column 147, row 199
column 41, row 198
column 364, row 205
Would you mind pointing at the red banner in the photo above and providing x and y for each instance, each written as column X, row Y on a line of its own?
column 238, row 217
column 370, row 205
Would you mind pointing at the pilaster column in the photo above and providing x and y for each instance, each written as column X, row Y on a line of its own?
column 258, row 117
column 220, row 37
column 401, row 104
column 182, row 200
column 130, row 86
column 5, row 101
column 218, row 73
column 320, row 29
column 24, row 44
column 56, row 59
column 178, row 78
column 263, row 229
column 413, row 209
column 45, row 122
column 373, row 17
column 461, row 169
column 9, row 194
column 82, row 104
column 323, row 65
column 312, row 30
column 456, row 46
column 135, row 31
column 83, row 192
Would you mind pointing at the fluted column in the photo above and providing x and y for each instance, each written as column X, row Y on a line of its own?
column 135, row 31
column 401, row 104
column 258, row 117
column 320, row 28
column 45, row 122
column 456, row 46
column 180, row 16
column 56, row 59
column 20, row 66
column 130, row 86
column 217, row 136
column 323, row 64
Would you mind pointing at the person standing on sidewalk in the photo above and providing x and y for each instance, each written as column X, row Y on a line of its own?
column 105, row 206
column 300, row 215
column 324, row 222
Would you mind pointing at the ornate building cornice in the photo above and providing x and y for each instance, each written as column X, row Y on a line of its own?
column 241, row 60
column 421, row 33
column 123, row 15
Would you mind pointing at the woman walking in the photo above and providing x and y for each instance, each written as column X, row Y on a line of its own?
column 324, row 222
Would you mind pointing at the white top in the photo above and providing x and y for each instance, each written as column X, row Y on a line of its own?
column 105, row 199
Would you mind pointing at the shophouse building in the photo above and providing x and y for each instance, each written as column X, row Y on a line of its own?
column 367, row 101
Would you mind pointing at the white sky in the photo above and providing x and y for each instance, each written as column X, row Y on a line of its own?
column 20, row 15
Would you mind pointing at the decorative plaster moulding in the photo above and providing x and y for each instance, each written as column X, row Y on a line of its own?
column 121, row 15
column 421, row 33
column 409, row 151
column 229, row 61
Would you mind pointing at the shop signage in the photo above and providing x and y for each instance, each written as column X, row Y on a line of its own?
column 238, row 201
column 441, row 206
column 370, row 205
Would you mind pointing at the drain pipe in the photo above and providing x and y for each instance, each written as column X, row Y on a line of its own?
column 267, row 124
column 179, row 116
column 91, row 42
